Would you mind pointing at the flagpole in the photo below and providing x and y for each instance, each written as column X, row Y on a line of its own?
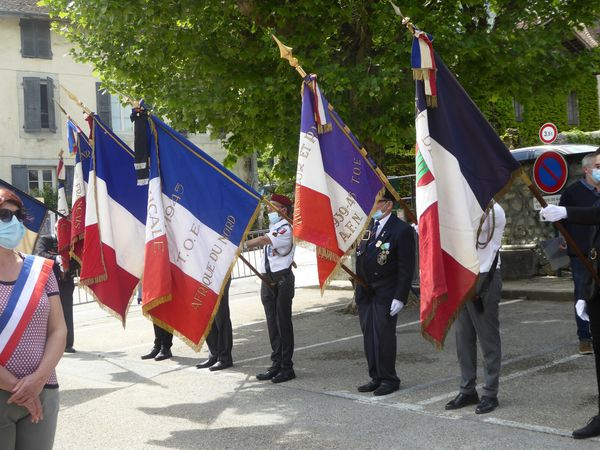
column 560, row 227
column 285, row 52
column 21, row 193
column 76, row 100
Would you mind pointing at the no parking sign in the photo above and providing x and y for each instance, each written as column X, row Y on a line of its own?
column 550, row 172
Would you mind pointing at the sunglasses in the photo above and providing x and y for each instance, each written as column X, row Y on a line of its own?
column 6, row 215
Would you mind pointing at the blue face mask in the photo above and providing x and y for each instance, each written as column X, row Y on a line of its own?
column 596, row 175
column 377, row 215
column 274, row 217
column 11, row 233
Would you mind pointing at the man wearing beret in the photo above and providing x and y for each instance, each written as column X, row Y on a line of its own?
column 385, row 260
column 278, row 292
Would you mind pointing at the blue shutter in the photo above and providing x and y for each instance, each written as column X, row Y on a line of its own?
column 27, row 38
column 103, row 105
column 19, row 177
column 51, row 110
column 42, row 39
column 31, row 96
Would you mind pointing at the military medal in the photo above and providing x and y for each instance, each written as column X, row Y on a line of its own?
column 382, row 257
column 378, row 244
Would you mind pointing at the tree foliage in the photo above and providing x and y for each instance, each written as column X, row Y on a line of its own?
column 213, row 63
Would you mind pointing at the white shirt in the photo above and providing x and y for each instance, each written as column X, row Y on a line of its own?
column 281, row 250
column 487, row 254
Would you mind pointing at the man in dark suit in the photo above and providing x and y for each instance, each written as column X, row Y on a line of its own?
column 386, row 262
column 47, row 246
column 583, row 192
column 591, row 296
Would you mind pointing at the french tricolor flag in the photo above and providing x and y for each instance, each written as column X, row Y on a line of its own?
column 198, row 214
column 115, row 218
column 63, row 224
column 336, row 186
column 461, row 164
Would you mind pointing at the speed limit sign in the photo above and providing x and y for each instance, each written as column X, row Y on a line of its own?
column 548, row 133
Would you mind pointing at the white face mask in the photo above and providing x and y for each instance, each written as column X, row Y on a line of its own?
column 274, row 217
column 377, row 215
column 11, row 233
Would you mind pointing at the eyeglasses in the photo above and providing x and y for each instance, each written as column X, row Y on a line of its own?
column 6, row 215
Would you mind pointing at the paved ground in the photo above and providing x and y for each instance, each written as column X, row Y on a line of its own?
column 111, row 399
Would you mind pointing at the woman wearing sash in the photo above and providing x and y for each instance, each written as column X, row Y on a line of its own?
column 32, row 337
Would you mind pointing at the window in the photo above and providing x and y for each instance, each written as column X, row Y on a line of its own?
column 518, row 111
column 572, row 109
column 35, row 39
column 39, row 104
column 111, row 111
column 30, row 178
column 39, row 178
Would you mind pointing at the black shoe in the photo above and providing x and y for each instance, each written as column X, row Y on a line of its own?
column 270, row 373
column 208, row 363
column 462, row 400
column 386, row 389
column 220, row 365
column 284, row 375
column 152, row 353
column 70, row 350
column 369, row 387
column 164, row 353
column 486, row 405
column 590, row 430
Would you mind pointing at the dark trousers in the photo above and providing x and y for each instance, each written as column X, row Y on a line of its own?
column 220, row 338
column 66, row 288
column 593, row 310
column 277, row 302
column 162, row 338
column 581, row 279
column 379, row 337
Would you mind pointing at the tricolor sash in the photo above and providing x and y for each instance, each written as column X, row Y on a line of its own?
column 22, row 303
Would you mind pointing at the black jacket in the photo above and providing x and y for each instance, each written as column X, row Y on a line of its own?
column 578, row 195
column 388, row 265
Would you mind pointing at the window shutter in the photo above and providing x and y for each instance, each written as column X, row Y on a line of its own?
column 51, row 110
column 103, row 105
column 19, row 177
column 27, row 38
column 31, row 95
column 42, row 37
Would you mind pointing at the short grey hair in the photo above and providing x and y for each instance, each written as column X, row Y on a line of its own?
column 588, row 160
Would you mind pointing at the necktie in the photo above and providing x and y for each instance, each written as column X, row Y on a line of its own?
column 373, row 230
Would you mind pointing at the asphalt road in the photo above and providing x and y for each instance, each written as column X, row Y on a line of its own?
column 111, row 399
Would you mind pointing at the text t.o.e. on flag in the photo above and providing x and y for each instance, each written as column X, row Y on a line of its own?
column 198, row 215
column 336, row 187
column 461, row 164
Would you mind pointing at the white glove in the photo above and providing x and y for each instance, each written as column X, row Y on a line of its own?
column 59, row 261
column 415, row 227
column 396, row 307
column 580, row 307
column 553, row 213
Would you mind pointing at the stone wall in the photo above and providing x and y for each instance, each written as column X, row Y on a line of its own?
column 522, row 256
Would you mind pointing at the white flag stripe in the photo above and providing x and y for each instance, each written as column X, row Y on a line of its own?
column 195, row 248
column 120, row 230
column 21, row 304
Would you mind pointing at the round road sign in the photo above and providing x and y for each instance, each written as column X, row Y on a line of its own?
column 548, row 133
column 550, row 172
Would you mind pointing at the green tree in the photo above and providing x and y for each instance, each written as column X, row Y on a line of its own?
column 213, row 63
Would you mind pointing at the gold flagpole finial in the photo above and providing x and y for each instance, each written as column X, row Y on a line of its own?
column 405, row 20
column 286, row 53
column 76, row 100
column 62, row 109
column 61, row 153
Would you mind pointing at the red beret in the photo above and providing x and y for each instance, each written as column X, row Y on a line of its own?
column 284, row 200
